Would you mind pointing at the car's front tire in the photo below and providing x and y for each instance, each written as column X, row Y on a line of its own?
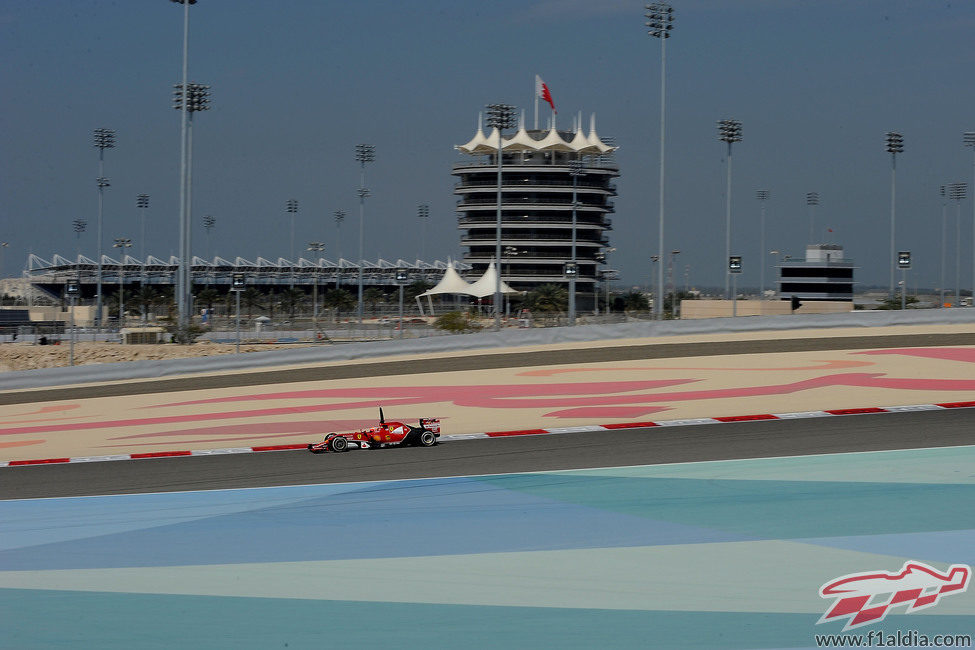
column 338, row 444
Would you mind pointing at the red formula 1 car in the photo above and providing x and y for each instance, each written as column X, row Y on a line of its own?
column 387, row 434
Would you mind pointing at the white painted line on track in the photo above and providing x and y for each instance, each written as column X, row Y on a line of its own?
column 98, row 459
column 217, row 452
column 582, row 429
column 689, row 421
column 802, row 414
column 915, row 407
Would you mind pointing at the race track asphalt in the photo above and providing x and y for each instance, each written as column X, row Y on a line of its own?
column 656, row 445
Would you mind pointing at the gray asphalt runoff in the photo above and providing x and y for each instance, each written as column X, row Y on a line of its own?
column 653, row 445
column 461, row 360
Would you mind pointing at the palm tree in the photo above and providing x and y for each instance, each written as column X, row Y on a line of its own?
column 547, row 298
column 338, row 300
column 414, row 289
column 291, row 299
column 271, row 302
column 372, row 297
column 251, row 298
column 145, row 298
column 635, row 301
column 207, row 296
column 112, row 303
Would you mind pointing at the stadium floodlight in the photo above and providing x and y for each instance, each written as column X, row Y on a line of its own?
column 895, row 145
column 103, row 139
column 500, row 117
column 660, row 24
column 957, row 193
column 762, row 196
column 423, row 214
column 184, row 298
column 729, row 131
column 969, row 140
column 364, row 153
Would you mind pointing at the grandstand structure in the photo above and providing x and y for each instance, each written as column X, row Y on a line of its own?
column 53, row 275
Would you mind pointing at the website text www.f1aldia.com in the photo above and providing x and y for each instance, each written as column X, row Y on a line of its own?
column 898, row 639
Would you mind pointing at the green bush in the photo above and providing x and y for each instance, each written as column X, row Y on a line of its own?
column 187, row 336
column 456, row 322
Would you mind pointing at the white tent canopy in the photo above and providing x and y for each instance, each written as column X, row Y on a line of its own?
column 451, row 282
column 581, row 143
column 487, row 284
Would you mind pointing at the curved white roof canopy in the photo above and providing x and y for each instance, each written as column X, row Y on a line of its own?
column 478, row 142
column 580, row 143
column 451, row 282
column 487, row 283
column 554, row 142
column 523, row 141
column 594, row 140
column 520, row 141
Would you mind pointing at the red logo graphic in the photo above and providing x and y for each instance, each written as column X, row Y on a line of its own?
column 865, row 598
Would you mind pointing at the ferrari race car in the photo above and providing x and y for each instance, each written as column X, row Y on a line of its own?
column 387, row 434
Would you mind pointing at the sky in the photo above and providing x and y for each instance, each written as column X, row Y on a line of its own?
column 296, row 84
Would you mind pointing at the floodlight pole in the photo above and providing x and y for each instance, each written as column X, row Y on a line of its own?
column 74, row 301
column 182, row 277
column 903, row 289
column 121, row 243
column 762, row 196
column 237, row 283
column 729, row 131
column 339, row 218
column 957, row 192
column 812, row 200
column 401, row 279
column 104, row 139
column 944, row 241
column 364, row 153
column 500, row 117
column 895, row 145
column 660, row 21
column 142, row 202
column 673, row 285
column 237, row 349
column 292, row 207
column 317, row 247
column 969, row 140
column 575, row 170
column 734, row 295
column 423, row 214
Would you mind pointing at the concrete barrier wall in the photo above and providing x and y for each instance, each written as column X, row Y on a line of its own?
column 511, row 337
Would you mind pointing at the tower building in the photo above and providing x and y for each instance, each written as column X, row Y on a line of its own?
column 541, row 172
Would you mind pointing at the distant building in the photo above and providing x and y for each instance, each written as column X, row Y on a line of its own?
column 536, row 206
column 824, row 275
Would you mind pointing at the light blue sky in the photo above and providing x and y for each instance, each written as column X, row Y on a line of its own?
column 296, row 84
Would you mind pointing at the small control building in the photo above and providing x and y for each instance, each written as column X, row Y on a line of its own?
column 826, row 274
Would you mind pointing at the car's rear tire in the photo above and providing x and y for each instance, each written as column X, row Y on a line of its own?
column 338, row 444
column 426, row 439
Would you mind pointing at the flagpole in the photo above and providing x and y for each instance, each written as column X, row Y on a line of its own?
column 537, row 80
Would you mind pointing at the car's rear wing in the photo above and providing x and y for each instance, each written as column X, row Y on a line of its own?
column 430, row 424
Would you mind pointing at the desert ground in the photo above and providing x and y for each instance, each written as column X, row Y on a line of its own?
column 26, row 356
